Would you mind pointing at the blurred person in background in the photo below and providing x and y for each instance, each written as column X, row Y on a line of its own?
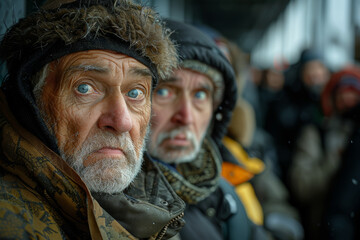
column 341, row 217
column 191, row 111
column 269, row 88
column 319, row 151
column 297, row 105
column 264, row 196
column 270, row 85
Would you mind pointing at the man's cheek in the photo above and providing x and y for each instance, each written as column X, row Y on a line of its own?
column 69, row 132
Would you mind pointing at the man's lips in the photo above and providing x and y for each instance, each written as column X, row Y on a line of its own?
column 105, row 152
column 178, row 140
column 110, row 151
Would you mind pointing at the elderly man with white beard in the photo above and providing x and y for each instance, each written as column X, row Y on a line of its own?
column 74, row 116
column 191, row 110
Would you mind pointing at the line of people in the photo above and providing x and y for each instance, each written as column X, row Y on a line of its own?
column 83, row 84
column 117, row 124
column 310, row 113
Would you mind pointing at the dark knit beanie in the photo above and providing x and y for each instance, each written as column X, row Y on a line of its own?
column 309, row 55
column 195, row 45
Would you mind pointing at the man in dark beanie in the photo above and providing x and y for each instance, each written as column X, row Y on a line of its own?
column 74, row 113
column 191, row 111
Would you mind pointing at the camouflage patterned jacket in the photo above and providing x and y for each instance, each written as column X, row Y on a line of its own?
column 41, row 197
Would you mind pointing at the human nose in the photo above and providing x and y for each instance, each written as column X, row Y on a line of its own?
column 184, row 112
column 115, row 116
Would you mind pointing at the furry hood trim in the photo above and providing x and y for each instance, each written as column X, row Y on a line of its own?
column 63, row 27
column 60, row 24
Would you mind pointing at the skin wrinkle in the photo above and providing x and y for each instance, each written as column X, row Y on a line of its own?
column 50, row 109
column 75, row 117
column 181, row 116
column 62, row 88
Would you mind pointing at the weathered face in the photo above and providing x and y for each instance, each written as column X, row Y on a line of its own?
column 97, row 104
column 182, row 110
column 346, row 99
column 315, row 75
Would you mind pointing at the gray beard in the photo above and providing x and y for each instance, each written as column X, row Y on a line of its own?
column 109, row 175
column 177, row 154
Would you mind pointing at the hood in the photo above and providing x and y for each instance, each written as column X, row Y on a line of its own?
column 294, row 83
column 62, row 27
column 346, row 78
column 193, row 44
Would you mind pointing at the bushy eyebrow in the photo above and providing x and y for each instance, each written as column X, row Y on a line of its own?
column 172, row 79
column 145, row 72
column 208, row 87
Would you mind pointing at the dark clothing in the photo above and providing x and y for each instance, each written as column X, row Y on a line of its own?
column 220, row 216
column 213, row 209
column 342, row 215
column 294, row 107
column 198, row 226
column 319, row 156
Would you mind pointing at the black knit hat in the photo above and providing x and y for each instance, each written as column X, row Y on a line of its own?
column 62, row 27
column 193, row 44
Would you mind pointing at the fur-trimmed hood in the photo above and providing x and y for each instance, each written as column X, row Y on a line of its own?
column 62, row 27
column 70, row 21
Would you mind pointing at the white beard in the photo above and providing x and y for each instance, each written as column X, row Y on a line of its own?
column 109, row 175
column 177, row 154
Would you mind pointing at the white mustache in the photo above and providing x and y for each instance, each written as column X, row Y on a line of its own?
column 175, row 132
column 105, row 139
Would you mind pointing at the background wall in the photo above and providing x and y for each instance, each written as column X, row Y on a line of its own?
column 10, row 12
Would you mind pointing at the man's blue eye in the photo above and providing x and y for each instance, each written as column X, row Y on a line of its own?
column 162, row 92
column 135, row 93
column 200, row 95
column 83, row 88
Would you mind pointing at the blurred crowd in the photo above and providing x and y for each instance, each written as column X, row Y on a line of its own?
column 301, row 120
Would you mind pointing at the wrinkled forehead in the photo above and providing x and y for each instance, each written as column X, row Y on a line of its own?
column 98, row 57
column 101, row 62
column 188, row 79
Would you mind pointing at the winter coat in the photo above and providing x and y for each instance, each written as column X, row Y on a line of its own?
column 317, row 158
column 42, row 197
column 219, row 216
column 265, row 198
column 341, row 219
column 239, row 175
column 213, row 209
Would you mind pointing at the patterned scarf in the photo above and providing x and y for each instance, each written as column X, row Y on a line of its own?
column 197, row 179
